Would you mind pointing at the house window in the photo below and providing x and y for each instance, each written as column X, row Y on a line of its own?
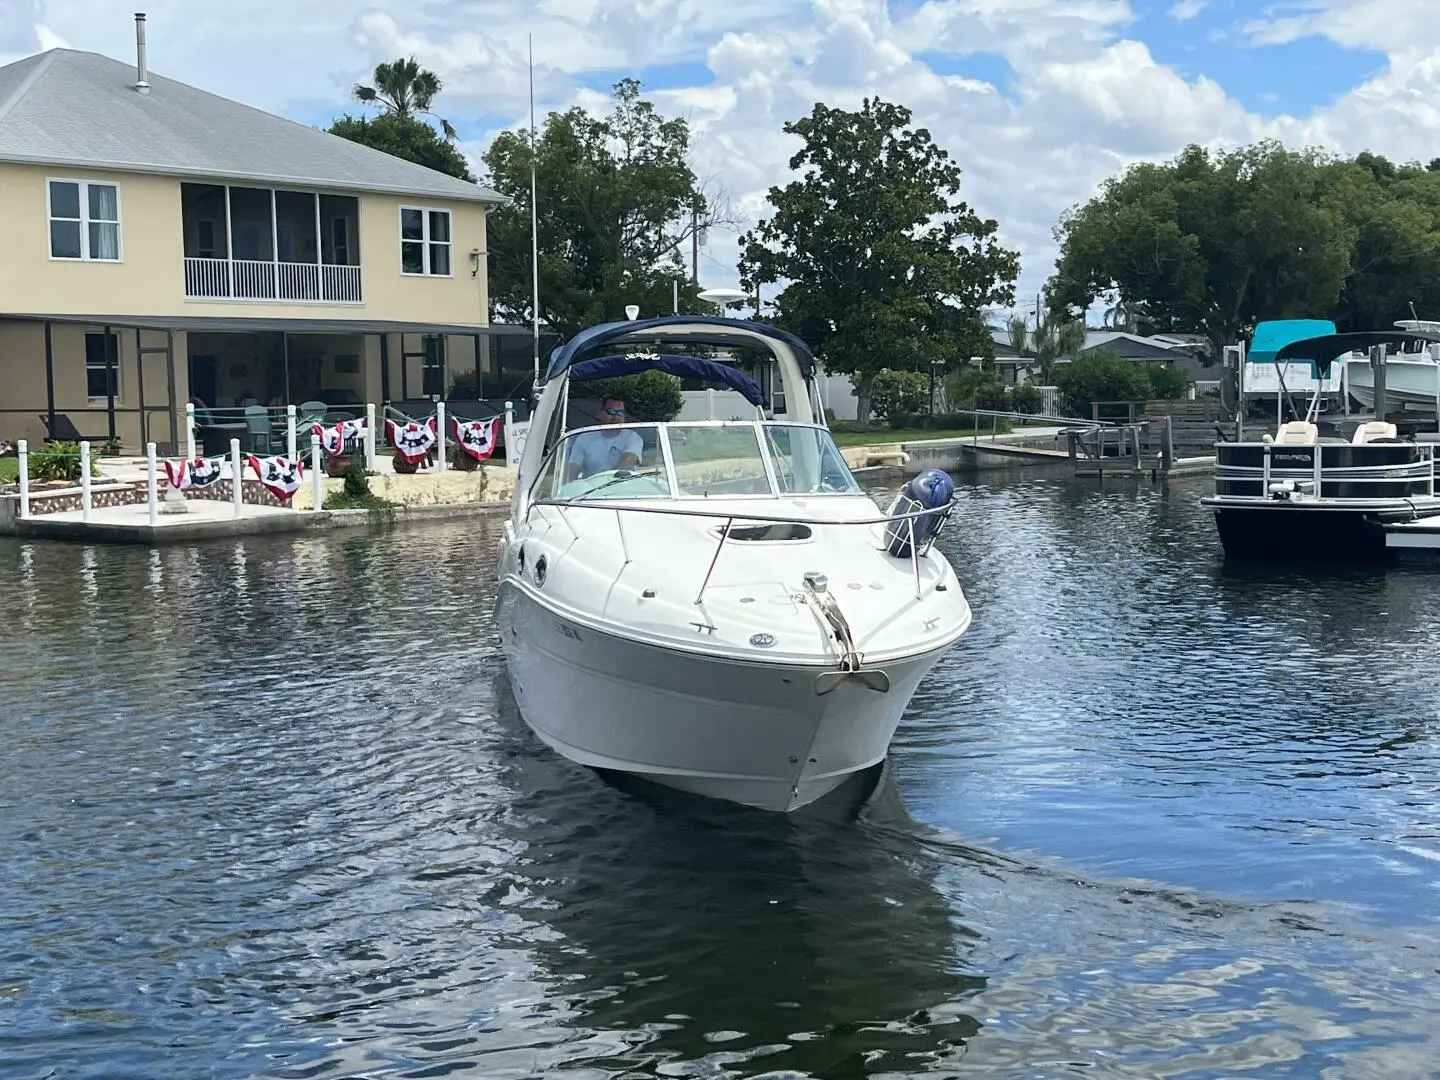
column 432, row 366
column 102, row 378
column 424, row 241
column 84, row 220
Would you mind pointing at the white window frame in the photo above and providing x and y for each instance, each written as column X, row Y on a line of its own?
column 84, row 186
column 102, row 400
column 425, row 241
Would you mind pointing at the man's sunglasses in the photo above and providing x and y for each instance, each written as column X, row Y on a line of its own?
column 614, row 412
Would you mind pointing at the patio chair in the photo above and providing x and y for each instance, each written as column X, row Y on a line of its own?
column 65, row 430
column 311, row 412
column 260, row 435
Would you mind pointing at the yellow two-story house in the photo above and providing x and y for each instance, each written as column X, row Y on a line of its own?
column 161, row 245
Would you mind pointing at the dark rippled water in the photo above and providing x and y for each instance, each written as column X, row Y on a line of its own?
column 267, row 811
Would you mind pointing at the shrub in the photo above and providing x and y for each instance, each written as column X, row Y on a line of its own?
column 651, row 397
column 59, row 461
column 992, row 394
column 357, row 486
column 896, row 392
column 1100, row 376
column 1167, row 381
column 1026, row 398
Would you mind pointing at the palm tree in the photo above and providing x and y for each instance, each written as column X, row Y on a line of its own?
column 1053, row 338
column 1019, row 331
column 403, row 88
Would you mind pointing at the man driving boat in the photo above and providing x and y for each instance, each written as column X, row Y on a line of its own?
column 602, row 450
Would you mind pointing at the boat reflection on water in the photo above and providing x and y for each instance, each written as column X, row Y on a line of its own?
column 702, row 934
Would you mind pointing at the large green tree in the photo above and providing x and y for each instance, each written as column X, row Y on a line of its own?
column 884, row 267
column 619, row 206
column 404, row 92
column 405, row 137
column 1214, row 243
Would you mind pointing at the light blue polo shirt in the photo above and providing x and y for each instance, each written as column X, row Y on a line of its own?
column 597, row 451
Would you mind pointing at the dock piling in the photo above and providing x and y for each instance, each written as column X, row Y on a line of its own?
column 22, row 451
column 152, row 485
column 440, row 436
column 238, row 478
column 317, row 476
column 85, row 500
column 370, row 437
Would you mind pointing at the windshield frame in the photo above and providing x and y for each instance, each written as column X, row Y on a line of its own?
column 762, row 440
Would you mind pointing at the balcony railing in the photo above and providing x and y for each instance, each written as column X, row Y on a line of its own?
column 279, row 282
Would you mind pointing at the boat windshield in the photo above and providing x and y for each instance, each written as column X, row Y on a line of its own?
column 695, row 460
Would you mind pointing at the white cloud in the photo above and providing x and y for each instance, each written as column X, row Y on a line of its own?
column 1082, row 98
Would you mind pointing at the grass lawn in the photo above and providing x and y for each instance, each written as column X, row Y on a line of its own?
column 9, row 470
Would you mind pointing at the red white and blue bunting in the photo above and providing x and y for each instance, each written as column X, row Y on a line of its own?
column 413, row 440
column 477, row 437
column 279, row 475
column 195, row 472
column 334, row 438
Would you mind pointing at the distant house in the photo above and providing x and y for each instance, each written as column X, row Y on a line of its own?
column 158, row 243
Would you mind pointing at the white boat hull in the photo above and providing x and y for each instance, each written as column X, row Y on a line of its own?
column 1407, row 382
column 749, row 732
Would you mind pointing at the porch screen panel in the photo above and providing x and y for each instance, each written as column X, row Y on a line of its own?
column 102, row 379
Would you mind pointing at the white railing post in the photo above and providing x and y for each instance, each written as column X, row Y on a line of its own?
column 709, row 403
column 440, row 436
column 152, row 485
column 290, row 432
column 317, row 483
column 84, row 480
column 189, row 431
column 1265, row 473
column 370, row 437
column 511, row 459
column 237, row 477
column 22, row 453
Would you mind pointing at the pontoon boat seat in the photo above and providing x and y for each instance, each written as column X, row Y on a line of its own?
column 1297, row 433
column 1373, row 431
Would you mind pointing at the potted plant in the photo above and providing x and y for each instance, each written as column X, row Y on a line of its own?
column 461, row 461
column 336, row 464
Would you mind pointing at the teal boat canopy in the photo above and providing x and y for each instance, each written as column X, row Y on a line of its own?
column 1274, row 334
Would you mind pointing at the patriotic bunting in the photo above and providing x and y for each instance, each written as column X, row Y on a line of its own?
column 196, row 472
column 478, row 437
column 279, row 475
column 412, row 441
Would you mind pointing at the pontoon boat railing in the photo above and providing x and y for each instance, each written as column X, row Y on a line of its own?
column 1317, row 472
column 731, row 517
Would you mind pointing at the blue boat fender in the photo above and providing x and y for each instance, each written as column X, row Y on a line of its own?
column 929, row 489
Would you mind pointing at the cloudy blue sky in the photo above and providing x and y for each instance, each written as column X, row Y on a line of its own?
column 1038, row 100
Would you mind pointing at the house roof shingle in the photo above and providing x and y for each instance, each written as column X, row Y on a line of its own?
column 80, row 110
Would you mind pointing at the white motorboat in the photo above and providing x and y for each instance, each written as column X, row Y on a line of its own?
column 730, row 615
column 1412, row 378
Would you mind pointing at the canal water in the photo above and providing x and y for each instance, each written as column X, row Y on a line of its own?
column 268, row 811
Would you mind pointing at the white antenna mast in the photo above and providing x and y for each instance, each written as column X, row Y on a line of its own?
column 534, row 231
